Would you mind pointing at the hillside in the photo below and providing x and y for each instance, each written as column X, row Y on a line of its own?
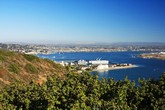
column 22, row 67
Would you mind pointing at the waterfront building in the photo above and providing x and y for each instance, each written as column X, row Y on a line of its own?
column 71, row 63
column 162, row 52
column 82, row 62
column 99, row 62
column 64, row 63
column 102, row 67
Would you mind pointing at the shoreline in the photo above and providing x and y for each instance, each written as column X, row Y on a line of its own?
column 116, row 68
column 159, row 56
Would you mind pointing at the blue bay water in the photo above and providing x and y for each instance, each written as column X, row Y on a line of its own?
column 148, row 68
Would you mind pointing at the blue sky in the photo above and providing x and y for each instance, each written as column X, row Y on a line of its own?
column 85, row 21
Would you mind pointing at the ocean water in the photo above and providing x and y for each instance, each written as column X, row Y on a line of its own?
column 148, row 68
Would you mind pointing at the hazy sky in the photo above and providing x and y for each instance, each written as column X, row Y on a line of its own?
column 82, row 21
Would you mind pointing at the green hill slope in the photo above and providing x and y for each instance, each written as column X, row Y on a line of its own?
column 24, row 68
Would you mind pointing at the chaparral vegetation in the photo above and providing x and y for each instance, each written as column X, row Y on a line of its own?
column 85, row 91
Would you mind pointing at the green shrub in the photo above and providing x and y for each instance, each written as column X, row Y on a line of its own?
column 14, row 68
column 49, row 61
column 2, row 58
column 6, row 53
column 55, row 65
column 84, row 92
column 30, row 68
column 31, row 57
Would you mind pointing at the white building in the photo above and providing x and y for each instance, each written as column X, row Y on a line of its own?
column 162, row 52
column 71, row 63
column 102, row 67
column 64, row 63
column 99, row 62
column 82, row 62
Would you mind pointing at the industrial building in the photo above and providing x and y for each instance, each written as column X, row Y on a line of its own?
column 99, row 62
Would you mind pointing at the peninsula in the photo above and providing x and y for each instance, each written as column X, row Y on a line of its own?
column 158, row 55
column 116, row 67
column 96, row 65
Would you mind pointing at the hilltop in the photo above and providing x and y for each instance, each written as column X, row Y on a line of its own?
column 25, row 68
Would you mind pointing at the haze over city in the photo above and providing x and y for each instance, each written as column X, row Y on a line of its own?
column 84, row 21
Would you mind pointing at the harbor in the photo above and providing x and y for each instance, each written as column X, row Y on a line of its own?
column 139, row 68
column 97, row 65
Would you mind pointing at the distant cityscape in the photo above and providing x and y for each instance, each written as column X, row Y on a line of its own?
column 48, row 49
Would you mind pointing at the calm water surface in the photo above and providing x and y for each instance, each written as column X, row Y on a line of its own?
column 148, row 68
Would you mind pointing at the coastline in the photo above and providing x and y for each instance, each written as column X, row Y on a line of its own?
column 116, row 68
column 159, row 56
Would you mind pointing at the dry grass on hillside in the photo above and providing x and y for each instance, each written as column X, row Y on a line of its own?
column 24, row 68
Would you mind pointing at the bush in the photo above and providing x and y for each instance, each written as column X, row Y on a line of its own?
column 30, row 68
column 31, row 57
column 14, row 68
column 49, row 61
column 6, row 53
column 85, row 92
column 2, row 58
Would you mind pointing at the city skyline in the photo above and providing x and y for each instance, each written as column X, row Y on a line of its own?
column 82, row 21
